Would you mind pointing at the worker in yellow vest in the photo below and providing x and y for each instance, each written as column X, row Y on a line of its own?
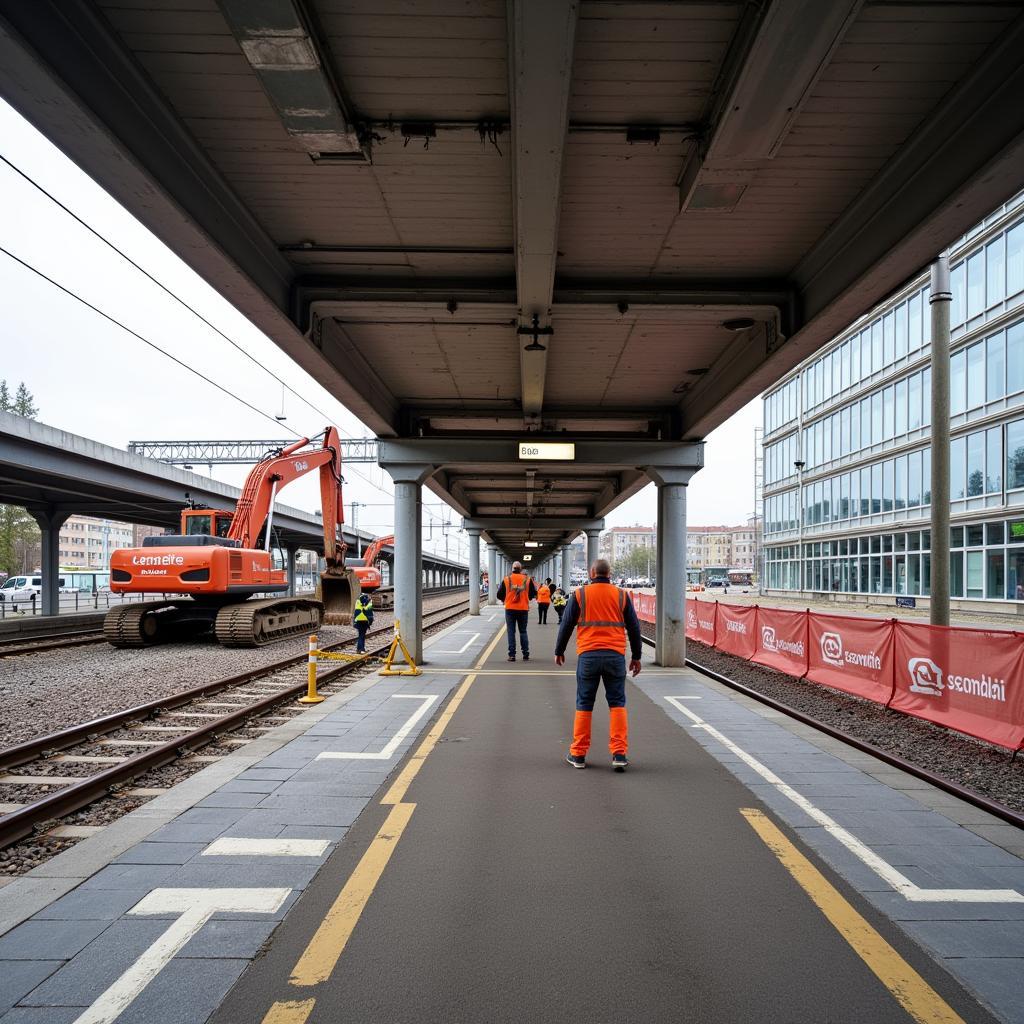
column 543, row 602
column 362, row 620
column 604, row 619
column 516, row 592
column 558, row 602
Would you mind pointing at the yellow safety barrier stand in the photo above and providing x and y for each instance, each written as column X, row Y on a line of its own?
column 397, row 646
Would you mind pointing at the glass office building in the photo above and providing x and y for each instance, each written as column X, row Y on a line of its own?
column 853, row 519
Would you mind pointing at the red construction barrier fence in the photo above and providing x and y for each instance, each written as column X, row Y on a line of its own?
column 970, row 680
column 851, row 654
column 965, row 679
column 781, row 640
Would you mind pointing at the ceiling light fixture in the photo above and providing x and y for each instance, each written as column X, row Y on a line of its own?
column 535, row 331
column 742, row 323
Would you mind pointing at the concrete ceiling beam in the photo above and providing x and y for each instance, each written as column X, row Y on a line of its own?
column 541, row 38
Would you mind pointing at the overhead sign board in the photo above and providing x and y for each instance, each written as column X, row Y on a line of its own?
column 554, row 450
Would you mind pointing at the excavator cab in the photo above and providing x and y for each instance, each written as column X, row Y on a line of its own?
column 212, row 522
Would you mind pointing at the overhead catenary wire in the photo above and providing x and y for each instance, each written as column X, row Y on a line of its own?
column 177, row 298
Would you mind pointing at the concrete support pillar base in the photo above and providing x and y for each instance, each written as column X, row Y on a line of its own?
column 50, row 522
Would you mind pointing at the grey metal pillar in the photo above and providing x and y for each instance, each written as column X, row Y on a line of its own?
column 940, row 299
column 474, row 571
column 593, row 546
column 289, row 565
column 50, row 523
column 670, row 620
column 492, row 574
column 566, row 566
column 408, row 569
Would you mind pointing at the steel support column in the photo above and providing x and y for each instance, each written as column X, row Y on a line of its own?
column 492, row 574
column 408, row 572
column 593, row 546
column 474, row 571
column 566, row 566
column 50, row 523
column 670, row 619
column 289, row 564
column 941, row 298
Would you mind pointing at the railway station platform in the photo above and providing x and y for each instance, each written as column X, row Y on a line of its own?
column 416, row 849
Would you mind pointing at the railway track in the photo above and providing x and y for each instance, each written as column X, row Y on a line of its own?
column 41, row 815
column 948, row 785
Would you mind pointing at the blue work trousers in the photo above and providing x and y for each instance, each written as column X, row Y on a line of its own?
column 594, row 668
column 361, row 628
column 515, row 619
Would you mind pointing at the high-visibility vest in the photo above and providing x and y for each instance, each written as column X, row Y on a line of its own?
column 363, row 605
column 517, row 592
column 543, row 595
column 602, row 622
column 558, row 599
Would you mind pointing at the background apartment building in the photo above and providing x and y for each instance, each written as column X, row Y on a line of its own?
column 847, row 467
column 87, row 542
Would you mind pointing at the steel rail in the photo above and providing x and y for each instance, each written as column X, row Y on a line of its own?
column 993, row 807
column 24, row 821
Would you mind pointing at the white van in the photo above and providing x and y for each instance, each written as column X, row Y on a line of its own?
column 20, row 589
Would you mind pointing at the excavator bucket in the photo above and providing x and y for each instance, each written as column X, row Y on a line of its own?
column 338, row 592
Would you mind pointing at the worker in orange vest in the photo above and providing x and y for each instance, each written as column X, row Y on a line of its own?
column 543, row 602
column 516, row 592
column 604, row 618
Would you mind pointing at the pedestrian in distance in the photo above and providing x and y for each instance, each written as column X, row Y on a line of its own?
column 558, row 602
column 362, row 620
column 516, row 592
column 604, row 619
column 543, row 602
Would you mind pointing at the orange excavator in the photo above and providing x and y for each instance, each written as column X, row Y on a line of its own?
column 369, row 575
column 221, row 558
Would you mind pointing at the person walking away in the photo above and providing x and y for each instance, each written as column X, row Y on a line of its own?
column 362, row 620
column 558, row 602
column 516, row 592
column 543, row 602
column 604, row 619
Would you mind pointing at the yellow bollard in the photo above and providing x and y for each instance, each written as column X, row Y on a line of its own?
column 312, row 697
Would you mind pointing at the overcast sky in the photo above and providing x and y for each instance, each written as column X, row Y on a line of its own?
column 92, row 378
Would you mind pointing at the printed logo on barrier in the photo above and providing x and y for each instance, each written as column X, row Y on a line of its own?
column 833, row 653
column 771, row 642
column 925, row 676
column 691, row 619
column 832, row 649
column 736, row 627
column 928, row 678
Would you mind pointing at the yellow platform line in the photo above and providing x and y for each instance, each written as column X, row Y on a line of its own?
column 325, row 948
column 909, row 989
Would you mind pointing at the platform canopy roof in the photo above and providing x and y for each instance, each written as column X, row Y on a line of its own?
column 685, row 198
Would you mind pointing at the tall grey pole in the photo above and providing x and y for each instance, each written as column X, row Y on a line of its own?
column 940, row 299
column 566, row 567
column 474, row 572
column 492, row 574
column 407, row 574
column 671, row 613
column 593, row 546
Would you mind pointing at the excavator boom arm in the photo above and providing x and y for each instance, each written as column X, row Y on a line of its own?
column 269, row 477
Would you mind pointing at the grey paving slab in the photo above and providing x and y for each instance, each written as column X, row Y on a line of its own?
column 98, row 965
column 160, row 853
column 129, row 876
column 334, row 833
column 19, row 977
column 175, row 833
column 231, row 799
column 898, row 909
column 49, row 940
column 997, row 981
column 230, row 872
column 202, row 814
column 83, row 904
column 253, row 826
column 241, row 785
column 229, row 939
column 41, row 1015
column 989, row 939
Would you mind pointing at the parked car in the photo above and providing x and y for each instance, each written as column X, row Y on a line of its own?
column 718, row 581
column 21, row 589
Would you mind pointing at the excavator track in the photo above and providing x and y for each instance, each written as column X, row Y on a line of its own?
column 256, row 623
column 141, row 625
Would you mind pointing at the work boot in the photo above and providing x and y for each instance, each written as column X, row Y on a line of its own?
column 526, row 657
column 576, row 760
column 620, row 762
column 511, row 657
